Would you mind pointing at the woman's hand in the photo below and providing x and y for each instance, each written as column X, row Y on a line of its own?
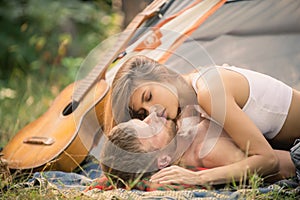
column 176, row 174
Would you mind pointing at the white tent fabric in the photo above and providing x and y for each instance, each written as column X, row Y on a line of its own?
column 259, row 35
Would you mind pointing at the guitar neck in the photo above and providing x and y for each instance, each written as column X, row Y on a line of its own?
column 100, row 69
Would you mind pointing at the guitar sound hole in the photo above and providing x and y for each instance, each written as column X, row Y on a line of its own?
column 70, row 108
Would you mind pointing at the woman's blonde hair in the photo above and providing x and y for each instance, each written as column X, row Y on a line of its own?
column 133, row 72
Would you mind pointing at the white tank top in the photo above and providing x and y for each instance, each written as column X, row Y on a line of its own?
column 268, row 103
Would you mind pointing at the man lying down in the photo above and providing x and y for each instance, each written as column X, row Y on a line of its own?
column 162, row 150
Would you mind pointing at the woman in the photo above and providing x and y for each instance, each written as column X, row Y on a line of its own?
column 255, row 110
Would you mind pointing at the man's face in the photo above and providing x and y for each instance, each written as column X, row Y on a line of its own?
column 154, row 132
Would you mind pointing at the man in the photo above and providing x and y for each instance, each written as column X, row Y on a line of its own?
column 137, row 149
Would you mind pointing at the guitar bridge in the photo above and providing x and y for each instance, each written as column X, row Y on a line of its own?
column 39, row 140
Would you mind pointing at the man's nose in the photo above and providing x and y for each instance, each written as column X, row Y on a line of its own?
column 149, row 118
column 157, row 108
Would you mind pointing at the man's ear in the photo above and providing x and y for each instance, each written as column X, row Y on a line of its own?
column 163, row 161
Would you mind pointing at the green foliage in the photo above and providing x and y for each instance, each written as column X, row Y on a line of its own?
column 42, row 44
column 38, row 34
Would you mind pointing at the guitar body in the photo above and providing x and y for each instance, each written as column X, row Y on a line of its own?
column 61, row 138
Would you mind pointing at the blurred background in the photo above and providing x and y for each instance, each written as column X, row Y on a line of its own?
column 42, row 44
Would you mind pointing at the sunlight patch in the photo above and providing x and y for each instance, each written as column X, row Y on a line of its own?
column 7, row 93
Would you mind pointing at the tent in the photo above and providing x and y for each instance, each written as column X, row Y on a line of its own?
column 259, row 35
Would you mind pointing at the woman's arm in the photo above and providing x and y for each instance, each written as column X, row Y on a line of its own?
column 286, row 166
column 221, row 97
column 220, row 101
column 225, row 152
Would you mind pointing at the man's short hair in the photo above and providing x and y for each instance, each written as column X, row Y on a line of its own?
column 123, row 159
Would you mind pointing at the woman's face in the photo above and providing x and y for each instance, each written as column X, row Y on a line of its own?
column 154, row 97
column 154, row 132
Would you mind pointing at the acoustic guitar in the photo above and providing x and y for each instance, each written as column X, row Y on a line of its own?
column 62, row 137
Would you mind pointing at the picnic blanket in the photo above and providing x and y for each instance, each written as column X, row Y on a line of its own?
column 89, row 182
column 73, row 185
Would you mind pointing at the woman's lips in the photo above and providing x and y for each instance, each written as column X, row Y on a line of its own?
column 163, row 113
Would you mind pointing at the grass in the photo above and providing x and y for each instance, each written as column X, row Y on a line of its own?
column 45, row 192
column 23, row 98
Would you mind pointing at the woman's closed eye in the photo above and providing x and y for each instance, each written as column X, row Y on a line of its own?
column 147, row 96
